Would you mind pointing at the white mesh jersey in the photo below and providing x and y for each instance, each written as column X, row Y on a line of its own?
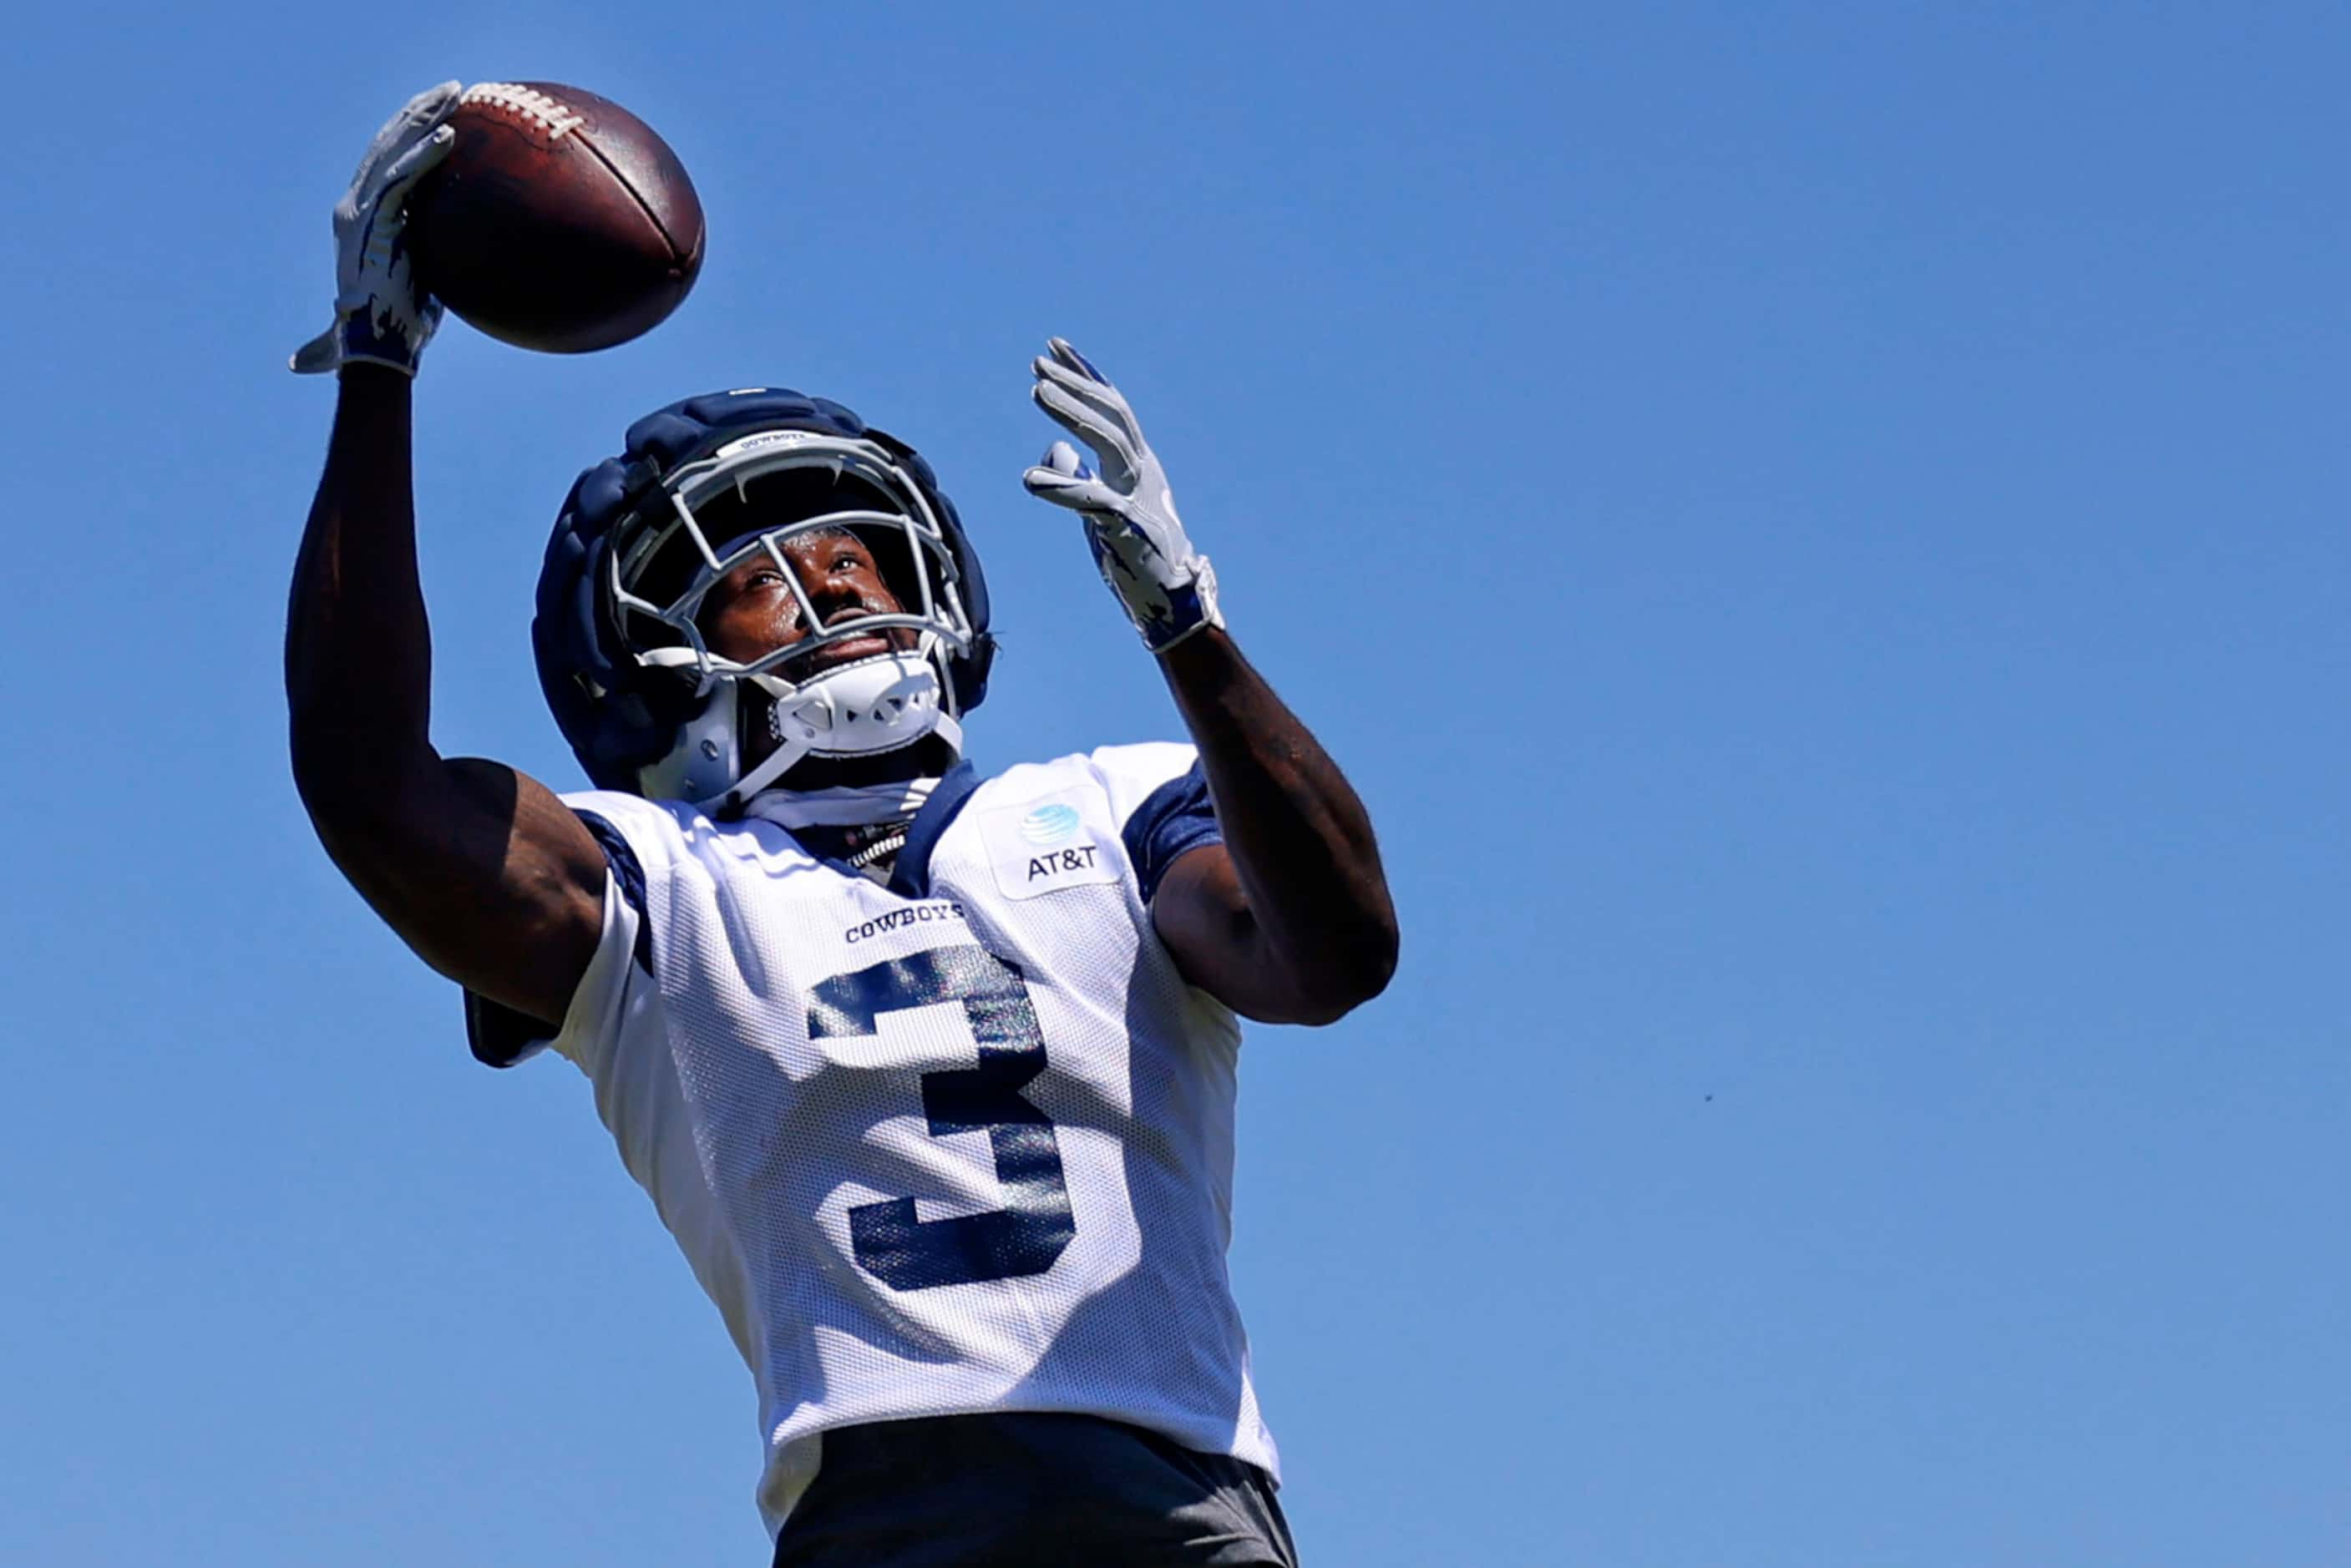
column 958, row 1144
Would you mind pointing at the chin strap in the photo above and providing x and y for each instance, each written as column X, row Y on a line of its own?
column 876, row 705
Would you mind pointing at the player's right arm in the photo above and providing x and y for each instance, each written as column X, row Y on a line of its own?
column 480, row 870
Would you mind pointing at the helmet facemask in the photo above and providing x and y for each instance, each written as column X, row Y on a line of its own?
column 747, row 498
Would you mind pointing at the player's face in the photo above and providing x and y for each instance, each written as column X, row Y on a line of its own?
column 752, row 611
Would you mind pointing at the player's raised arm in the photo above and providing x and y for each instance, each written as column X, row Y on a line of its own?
column 480, row 870
column 1289, row 921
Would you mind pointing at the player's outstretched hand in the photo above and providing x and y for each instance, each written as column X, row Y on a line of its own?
column 382, row 317
column 1168, row 588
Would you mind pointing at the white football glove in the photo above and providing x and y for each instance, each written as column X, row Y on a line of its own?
column 1168, row 588
column 380, row 315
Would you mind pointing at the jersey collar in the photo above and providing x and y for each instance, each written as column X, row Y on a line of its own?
column 910, row 876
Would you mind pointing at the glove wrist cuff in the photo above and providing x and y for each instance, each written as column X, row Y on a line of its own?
column 351, row 341
column 406, row 367
column 1189, row 608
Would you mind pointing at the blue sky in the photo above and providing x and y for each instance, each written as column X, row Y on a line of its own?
column 1819, row 530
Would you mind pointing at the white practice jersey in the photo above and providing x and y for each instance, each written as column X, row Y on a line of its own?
column 959, row 1144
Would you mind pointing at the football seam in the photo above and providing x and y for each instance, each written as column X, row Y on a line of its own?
column 677, row 257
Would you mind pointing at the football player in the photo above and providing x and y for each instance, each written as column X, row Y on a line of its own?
column 931, row 1074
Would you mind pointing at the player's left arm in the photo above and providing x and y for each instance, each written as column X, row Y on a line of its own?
column 1288, row 920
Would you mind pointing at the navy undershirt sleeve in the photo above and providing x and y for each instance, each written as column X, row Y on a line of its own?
column 1174, row 819
column 629, row 875
column 501, row 1037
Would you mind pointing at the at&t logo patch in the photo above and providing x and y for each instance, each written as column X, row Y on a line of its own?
column 1044, row 847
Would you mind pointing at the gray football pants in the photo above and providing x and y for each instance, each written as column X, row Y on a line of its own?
column 1030, row 1491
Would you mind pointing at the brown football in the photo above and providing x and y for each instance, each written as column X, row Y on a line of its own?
column 558, row 221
